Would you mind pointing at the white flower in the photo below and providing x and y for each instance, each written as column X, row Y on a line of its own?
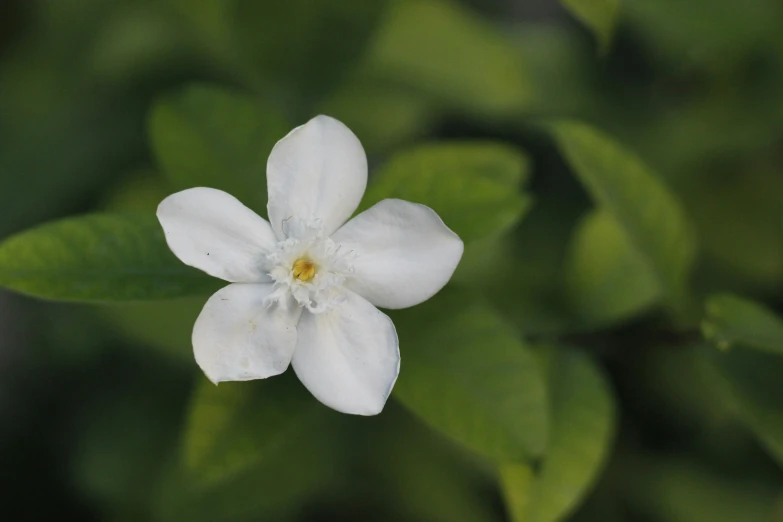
column 305, row 285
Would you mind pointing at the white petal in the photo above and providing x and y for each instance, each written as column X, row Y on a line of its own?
column 348, row 357
column 404, row 253
column 212, row 231
column 238, row 338
column 318, row 171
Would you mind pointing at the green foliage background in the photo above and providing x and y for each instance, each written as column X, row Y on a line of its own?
column 610, row 348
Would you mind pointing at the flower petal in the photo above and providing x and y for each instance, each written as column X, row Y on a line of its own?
column 318, row 171
column 348, row 357
column 238, row 338
column 404, row 253
column 212, row 231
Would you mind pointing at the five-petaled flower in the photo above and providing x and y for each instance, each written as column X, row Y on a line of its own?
column 305, row 285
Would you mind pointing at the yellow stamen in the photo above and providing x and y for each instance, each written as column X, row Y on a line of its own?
column 304, row 270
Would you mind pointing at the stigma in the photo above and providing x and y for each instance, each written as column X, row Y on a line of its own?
column 303, row 269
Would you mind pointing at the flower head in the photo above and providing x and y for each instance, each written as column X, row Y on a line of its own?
column 305, row 284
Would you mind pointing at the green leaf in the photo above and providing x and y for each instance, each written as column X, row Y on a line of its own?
column 468, row 375
column 598, row 15
column 209, row 21
column 165, row 325
column 531, row 296
column 98, row 257
column 607, row 280
column 669, row 489
column 582, row 427
column 305, row 48
column 442, row 49
column 516, row 481
column 139, row 191
column 382, row 115
column 250, row 451
column 645, row 209
column 750, row 383
column 732, row 320
column 209, row 137
column 448, row 484
column 236, row 425
column 473, row 186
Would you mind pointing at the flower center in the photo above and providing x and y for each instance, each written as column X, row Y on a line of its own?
column 303, row 269
column 308, row 268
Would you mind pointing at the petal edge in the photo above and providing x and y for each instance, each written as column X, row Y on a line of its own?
column 405, row 253
column 348, row 357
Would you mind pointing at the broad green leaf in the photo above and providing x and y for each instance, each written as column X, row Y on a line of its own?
column 732, row 320
column 442, row 49
column 598, row 15
column 606, row 278
column 98, row 257
column 475, row 187
column 642, row 206
column 750, row 383
column 581, row 428
column 468, row 375
column 209, row 137
column 236, row 425
column 305, row 48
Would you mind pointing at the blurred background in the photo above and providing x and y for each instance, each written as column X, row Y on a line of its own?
column 94, row 399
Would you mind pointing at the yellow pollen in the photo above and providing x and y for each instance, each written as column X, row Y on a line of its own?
column 303, row 270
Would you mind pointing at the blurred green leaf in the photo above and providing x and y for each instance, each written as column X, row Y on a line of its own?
column 133, row 43
column 473, row 186
column 251, row 450
column 582, row 425
column 302, row 47
column 98, row 257
column 210, row 137
column 440, row 48
column 531, row 295
column 115, row 463
column 733, row 320
column 560, row 70
column 236, row 425
column 139, row 191
column 467, row 374
column 381, row 115
column 449, row 484
column 599, row 15
column 606, row 278
column 737, row 215
column 516, row 481
column 647, row 211
column 209, row 21
column 669, row 489
column 680, row 33
column 164, row 325
column 750, row 383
